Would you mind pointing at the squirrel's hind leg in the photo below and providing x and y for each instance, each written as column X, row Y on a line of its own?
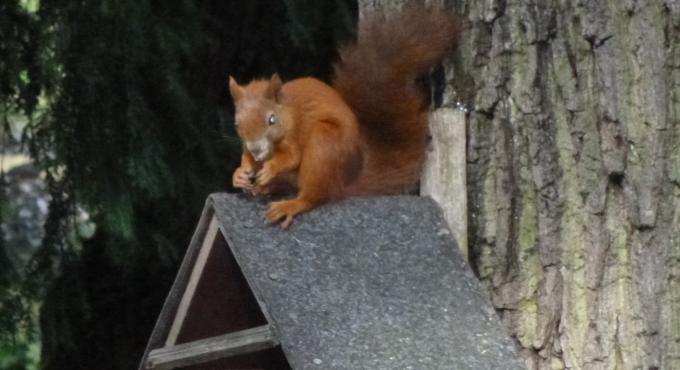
column 321, row 176
column 286, row 210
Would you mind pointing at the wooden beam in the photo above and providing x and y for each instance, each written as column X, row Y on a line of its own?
column 199, row 265
column 209, row 349
column 169, row 311
column 444, row 177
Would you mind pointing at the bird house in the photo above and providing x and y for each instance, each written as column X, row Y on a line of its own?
column 371, row 283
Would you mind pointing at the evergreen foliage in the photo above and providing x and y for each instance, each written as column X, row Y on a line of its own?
column 137, row 131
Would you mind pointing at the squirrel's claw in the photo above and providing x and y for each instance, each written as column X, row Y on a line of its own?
column 242, row 179
column 286, row 210
column 276, row 214
column 264, row 176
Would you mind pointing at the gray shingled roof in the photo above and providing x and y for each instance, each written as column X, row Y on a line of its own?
column 374, row 283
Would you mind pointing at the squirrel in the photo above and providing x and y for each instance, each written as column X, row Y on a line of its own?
column 364, row 134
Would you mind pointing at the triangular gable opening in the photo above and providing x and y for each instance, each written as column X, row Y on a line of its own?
column 218, row 323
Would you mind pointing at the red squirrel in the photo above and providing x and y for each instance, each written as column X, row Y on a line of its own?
column 364, row 134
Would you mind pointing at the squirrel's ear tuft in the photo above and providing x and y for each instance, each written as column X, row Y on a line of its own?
column 274, row 86
column 235, row 89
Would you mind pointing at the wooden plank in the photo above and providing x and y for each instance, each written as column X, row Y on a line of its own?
column 167, row 314
column 209, row 349
column 197, row 271
column 444, row 176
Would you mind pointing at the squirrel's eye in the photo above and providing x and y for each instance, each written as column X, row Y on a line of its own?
column 272, row 119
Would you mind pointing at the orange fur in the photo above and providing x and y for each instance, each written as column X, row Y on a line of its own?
column 365, row 134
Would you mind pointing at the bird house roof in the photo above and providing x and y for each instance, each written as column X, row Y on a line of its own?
column 367, row 283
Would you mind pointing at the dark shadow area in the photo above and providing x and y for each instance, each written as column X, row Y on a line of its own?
column 223, row 302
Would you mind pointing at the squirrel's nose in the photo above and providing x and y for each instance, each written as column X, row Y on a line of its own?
column 257, row 148
column 255, row 151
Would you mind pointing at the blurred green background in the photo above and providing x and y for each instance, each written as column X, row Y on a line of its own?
column 115, row 126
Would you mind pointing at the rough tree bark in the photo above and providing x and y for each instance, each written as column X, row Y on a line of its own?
column 573, row 174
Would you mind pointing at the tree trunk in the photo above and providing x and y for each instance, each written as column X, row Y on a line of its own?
column 573, row 175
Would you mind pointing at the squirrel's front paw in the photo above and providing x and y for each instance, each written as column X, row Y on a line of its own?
column 243, row 178
column 265, row 176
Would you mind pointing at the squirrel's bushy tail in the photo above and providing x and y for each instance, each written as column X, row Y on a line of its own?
column 377, row 78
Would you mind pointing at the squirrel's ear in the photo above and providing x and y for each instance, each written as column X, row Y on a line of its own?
column 274, row 86
column 235, row 89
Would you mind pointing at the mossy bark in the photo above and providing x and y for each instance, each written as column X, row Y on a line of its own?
column 573, row 175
